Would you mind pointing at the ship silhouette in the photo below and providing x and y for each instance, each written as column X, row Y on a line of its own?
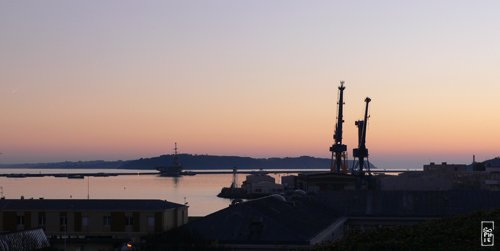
column 174, row 169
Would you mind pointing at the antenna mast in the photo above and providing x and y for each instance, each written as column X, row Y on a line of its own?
column 176, row 158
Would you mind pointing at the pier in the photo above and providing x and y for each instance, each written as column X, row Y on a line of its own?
column 187, row 173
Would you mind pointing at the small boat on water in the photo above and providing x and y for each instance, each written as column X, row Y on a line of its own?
column 187, row 173
column 75, row 176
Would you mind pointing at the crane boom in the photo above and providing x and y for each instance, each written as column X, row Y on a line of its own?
column 363, row 138
column 361, row 152
column 340, row 117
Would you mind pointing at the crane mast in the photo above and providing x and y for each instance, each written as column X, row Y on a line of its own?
column 338, row 149
column 361, row 152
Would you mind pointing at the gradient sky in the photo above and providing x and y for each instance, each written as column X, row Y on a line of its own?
column 126, row 79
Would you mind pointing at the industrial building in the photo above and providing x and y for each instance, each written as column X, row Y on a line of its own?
column 268, row 223
column 445, row 167
column 320, row 182
column 261, row 183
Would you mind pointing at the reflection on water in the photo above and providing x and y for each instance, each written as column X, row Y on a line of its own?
column 199, row 191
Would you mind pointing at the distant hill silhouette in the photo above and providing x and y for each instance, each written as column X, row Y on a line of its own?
column 190, row 161
column 69, row 164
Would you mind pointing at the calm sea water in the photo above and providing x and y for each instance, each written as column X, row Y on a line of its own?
column 198, row 191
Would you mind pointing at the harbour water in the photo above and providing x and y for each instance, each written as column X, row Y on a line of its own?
column 198, row 191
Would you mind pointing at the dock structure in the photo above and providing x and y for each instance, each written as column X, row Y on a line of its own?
column 73, row 175
column 192, row 172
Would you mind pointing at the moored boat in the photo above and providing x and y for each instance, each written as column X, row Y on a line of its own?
column 175, row 169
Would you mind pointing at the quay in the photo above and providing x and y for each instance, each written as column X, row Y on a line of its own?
column 71, row 175
column 187, row 172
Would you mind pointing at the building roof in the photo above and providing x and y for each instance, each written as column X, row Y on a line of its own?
column 81, row 205
column 267, row 220
column 32, row 239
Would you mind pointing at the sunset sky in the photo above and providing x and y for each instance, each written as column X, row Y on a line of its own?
column 86, row 80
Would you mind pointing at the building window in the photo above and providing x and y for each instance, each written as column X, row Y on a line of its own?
column 151, row 221
column 129, row 220
column 85, row 221
column 20, row 220
column 106, row 220
column 41, row 219
column 63, row 222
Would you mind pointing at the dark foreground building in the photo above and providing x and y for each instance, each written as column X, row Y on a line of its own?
column 409, row 203
column 91, row 224
column 269, row 223
column 302, row 221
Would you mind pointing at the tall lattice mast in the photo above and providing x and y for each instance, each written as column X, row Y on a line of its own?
column 338, row 149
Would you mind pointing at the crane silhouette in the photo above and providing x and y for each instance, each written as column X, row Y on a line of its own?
column 361, row 152
column 338, row 149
